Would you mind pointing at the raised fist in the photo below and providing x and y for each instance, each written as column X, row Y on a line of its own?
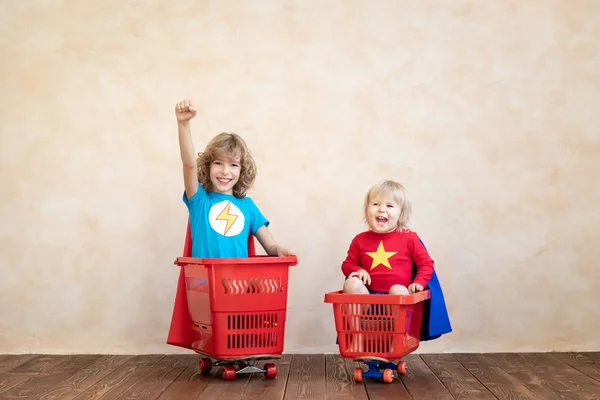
column 185, row 110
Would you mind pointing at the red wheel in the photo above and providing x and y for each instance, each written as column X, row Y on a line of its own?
column 270, row 371
column 402, row 368
column 205, row 365
column 358, row 374
column 388, row 375
column 228, row 373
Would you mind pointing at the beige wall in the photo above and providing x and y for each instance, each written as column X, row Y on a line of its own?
column 486, row 110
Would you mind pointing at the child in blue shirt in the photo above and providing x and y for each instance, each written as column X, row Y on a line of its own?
column 216, row 182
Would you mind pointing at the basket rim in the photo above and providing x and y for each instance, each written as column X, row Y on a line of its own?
column 254, row 260
column 338, row 297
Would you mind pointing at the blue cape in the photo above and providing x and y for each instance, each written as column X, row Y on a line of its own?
column 436, row 321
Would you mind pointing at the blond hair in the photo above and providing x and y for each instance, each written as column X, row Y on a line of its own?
column 399, row 194
column 227, row 145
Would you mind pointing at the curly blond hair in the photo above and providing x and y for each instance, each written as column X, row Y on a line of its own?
column 227, row 145
column 399, row 194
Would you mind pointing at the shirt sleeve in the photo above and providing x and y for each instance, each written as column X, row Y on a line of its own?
column 352, row 262
column 257, row 218
column 196, row 199
column 422, row 260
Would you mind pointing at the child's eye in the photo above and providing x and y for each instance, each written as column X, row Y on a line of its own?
column 235, row 165
column 376, row 204
column 390, row 206
column 217, row 162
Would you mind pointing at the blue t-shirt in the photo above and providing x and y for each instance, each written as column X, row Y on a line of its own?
column 220, row 224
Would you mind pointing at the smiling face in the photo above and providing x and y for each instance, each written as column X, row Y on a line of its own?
column 383, row 213
column 387, row 207
column 224, row 174
column 226, row 165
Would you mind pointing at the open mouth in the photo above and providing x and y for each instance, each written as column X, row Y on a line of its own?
column 381, row 219
column 223, row 181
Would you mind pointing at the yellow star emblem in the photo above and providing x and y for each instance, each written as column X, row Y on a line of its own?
column 381, row 256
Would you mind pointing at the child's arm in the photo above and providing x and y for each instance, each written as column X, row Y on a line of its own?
column 184, row 111
column 270, row 245
column 351, row 266
column 424, row 264
column 352, row 262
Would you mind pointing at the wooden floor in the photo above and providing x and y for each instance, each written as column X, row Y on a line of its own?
column 544, row 376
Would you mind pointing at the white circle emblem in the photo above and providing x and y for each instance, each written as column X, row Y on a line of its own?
column 226, row 218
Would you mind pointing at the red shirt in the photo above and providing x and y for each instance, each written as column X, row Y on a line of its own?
column 388, row 258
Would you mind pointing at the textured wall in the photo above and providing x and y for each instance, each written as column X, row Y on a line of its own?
column 486, row 110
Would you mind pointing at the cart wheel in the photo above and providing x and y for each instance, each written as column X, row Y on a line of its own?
column 205, row 365
column 402, row 368
column 270, row 371
column 228, row 373
column 358, row 374
column 388, row 375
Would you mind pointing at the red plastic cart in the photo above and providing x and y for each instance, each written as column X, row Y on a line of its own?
column 378, row 330
column 238, row 310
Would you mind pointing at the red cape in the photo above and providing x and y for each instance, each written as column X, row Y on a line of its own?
column 180, row 332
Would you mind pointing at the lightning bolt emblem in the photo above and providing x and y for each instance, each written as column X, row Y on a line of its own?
column 225, row 216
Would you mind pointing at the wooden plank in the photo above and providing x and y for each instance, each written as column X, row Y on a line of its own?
column 377, row 389
column 85, row 378
column 39, row 365
column 508, row 361
column 522, row 370
column 122, row 377
column 8, row 381
column 306, row 379
column 162, row 374
column 269, row 389
column 499, row 382
column 581, row 362
column 10, row 362
column 340, row 379
column 594, row 355
column 421, row 383
column 572, row 358
column 563, row 379
column 189, row 385
column 43, row 382
column 219, row 389
column 460, row 383
column 543, row 386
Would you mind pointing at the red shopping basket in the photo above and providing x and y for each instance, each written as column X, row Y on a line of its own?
column 377, row 325
column 237, row 305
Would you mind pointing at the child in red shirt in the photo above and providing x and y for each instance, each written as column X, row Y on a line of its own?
column 380, row 260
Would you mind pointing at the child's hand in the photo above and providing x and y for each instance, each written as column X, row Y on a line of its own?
column 414, row 288
column 362, row 275
column 284, row 252
column 185, row 110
